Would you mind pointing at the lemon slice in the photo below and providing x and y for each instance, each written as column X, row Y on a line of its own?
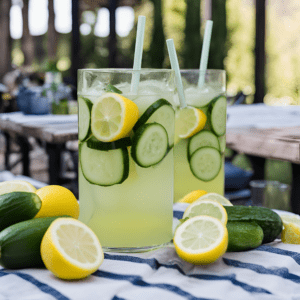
column 291, row 233
column 189, row 121
column 70, row 249
column 113, row 117
column 206, row 208
column 290, row 219
column 201, row 240
column 214, row 196
column 16, row 186
column 192, row 196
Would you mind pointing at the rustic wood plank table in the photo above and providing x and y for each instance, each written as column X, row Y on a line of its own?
column 54, row 131
column 264, row 132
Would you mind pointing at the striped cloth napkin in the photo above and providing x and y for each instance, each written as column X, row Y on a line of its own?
column 272, row 271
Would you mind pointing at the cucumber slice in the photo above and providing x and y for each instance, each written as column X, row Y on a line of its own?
column 84, row 121
column 160, row 112
column 104, row 168
column 94, row 143
column 222, row 142
column 112, row 89
column 149, row 144
column 205, row 163
column 201, row 139
column 217, row 115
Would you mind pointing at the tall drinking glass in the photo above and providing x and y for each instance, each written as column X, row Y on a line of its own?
column 199, row 159
column 134, row 214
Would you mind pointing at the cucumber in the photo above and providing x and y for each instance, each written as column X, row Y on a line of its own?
column 267, row 219
column 217, row 115
column 94, row 143
column 205, row 163
column 102, row 167
column 84, row 119
column 243, row 236
column 20, row 243
column 160, row 112
column 18, row 206
column 202, row 139
column 149, row 144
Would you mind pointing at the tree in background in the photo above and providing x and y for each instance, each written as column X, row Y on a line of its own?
column 218, row 47
column 52, row 33
column 192, row 39
column 157, row 47
column 28, row 44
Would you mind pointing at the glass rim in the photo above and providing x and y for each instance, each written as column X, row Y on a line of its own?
column 206, row 71
column 127, row 70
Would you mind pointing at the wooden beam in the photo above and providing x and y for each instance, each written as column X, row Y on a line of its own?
column 5, row 44
column 260, row 30
column 112, row 42
column 75, row 55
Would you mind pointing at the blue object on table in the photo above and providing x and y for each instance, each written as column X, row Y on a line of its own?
column 235, row 177
column 31, row 101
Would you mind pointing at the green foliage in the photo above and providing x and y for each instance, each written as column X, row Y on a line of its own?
column 192, row 41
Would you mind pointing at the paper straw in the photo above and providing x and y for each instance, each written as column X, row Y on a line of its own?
column 205, row 52
column 138, row 53
column 175, row 67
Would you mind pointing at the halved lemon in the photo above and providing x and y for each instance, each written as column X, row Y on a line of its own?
column 214, row 196
column 70, row 249
column 206, row 208
column 189, row 121
column 113, row 117
column 290, row 233
column 201, row 240
column 16, row 186
column 192, row 196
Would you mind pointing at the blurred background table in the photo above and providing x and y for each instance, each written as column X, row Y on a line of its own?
column 54, row 132
column 267, row 132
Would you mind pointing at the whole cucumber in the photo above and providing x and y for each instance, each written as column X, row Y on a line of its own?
column 267, row 219
column 20, row 243
column 243, row 236
column 18, row 206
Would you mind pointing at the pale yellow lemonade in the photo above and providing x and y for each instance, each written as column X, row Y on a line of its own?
column 202, row 98
column 137, row 213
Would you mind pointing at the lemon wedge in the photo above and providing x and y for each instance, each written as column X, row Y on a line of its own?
column 290, row 233
column 70, row 249
column 192, row 196
column 16, row 186
column 214, row 196
column 113, row 117
column 206, row 208
column 189, row 121
column 201, row 240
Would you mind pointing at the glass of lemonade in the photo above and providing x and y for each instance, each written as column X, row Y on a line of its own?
column 126, row 187
column 199, row 159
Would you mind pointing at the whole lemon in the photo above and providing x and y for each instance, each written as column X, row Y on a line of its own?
column 57, row 201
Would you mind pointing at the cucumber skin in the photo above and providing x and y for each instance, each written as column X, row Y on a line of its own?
column 89, row 103
column 268, row 220
column 18, row 206
column 148, row 113
column 241, row 236
column 209, row 112
column 20, row 243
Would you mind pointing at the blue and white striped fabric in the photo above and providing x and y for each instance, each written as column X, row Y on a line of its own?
column 271, row 271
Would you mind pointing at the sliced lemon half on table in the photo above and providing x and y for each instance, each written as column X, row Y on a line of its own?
column 70, row 249
column 16, row 186
column 214, row 196
column 201, row 240
column 113, row 117
column 207, row 207
column 192, row 196
column 291, row 229
column 189, row 121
